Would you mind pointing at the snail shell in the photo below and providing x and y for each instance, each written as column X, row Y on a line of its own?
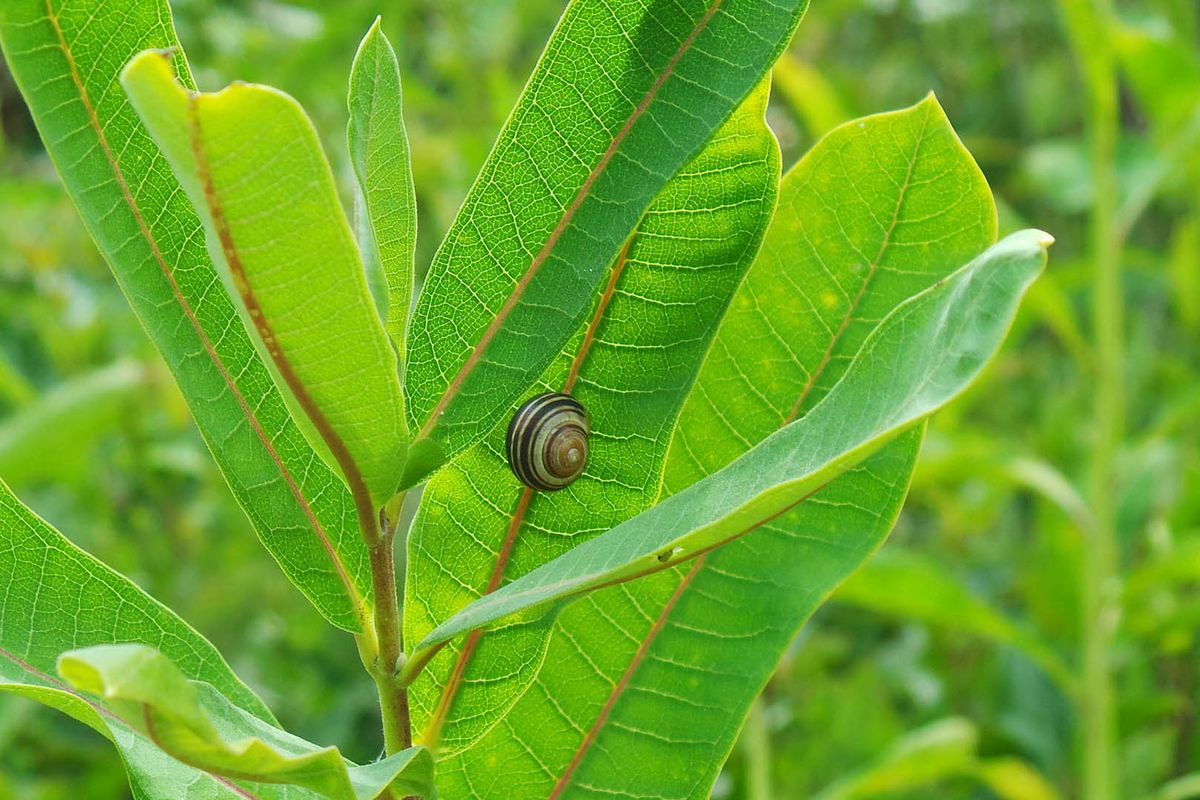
column 547, row 442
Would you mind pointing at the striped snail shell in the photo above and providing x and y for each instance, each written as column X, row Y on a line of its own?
column 547, row 442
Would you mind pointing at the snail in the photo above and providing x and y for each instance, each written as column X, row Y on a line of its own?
column 547, row 441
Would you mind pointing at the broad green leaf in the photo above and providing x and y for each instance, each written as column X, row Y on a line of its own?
column 386, row 199
column 66, row 58
column 643, row 672
column 897, row 583
column 881, row 209
column 631, row 365
column 250, row 160
column 920, row 357
column 143, row 688
column 66, row 421
column 624, row 96
column 58, row 598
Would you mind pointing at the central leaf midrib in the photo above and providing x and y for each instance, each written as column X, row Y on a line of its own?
column 241, row 282
column 564, row 221
column 461, row 662
column 872, row 268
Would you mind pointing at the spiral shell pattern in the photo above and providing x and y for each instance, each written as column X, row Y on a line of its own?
column 547, row 442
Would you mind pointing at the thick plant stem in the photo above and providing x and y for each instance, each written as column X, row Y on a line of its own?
column 1088, row 23
column 385, row 666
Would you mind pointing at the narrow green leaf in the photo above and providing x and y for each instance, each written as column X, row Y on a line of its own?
column 249, row 158
column 145, row 689
column 1012, row 779
column 387, row 201
column 812, row 97
column 66, row 58
column 1185, row 787
column 919, row 760
column 897, row 583
column 919, row 358
column 631, row 366
column 931, row 755
column 624, row 96
column 67, row 421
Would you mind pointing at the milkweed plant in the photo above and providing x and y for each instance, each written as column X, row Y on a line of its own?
column 658, row 398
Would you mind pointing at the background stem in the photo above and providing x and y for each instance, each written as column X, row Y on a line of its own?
column 1088, row 25
column 756, row 747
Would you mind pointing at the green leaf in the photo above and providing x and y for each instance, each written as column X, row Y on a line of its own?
column 937, row 752
column 898, row 583
column 67, row 421
column 630, row 365
column 1185, row 787
column 1163, row 69
column 919, row 358
column 1012, row 779
column 249, row 158
column 387, row 201
column 814, row 100
column 66, row 58
column 934, row 754
column 70, row 600
column 624, row 96
column 145, row 689
column 643, row 672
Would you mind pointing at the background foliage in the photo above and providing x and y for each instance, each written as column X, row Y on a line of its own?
column 94, row 436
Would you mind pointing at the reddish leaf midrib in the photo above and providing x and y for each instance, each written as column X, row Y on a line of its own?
column 356, row 600
column 446, row 701
column 493, row 328
column 884, row 244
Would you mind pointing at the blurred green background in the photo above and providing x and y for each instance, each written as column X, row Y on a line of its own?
column 943, row 670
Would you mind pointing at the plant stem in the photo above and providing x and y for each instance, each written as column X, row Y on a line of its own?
column 385, row 666
column 756, row 747
column 1088, row 23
